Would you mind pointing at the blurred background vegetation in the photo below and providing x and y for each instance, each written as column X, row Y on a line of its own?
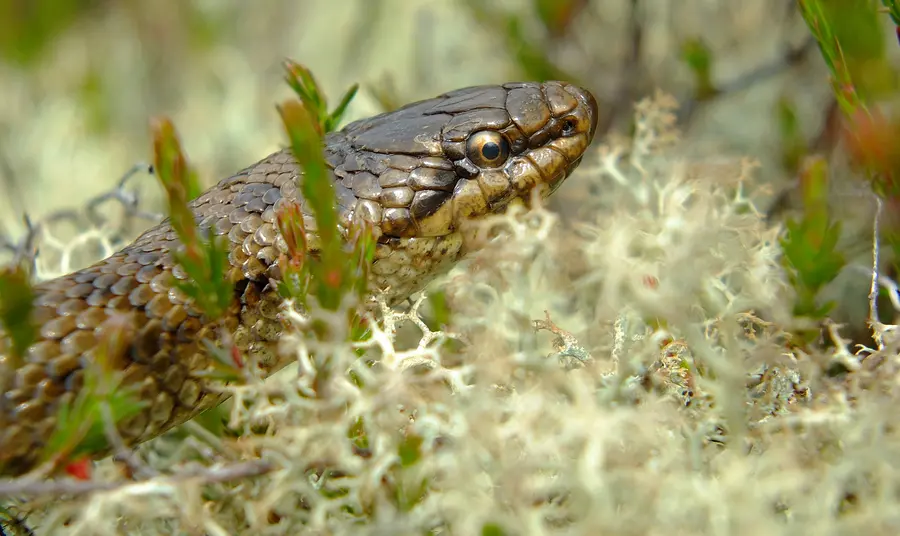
column 81, row 79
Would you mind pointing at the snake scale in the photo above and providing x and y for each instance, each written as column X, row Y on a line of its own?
column 416, row 173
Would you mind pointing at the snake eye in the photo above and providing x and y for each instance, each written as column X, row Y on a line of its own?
column 487, row 149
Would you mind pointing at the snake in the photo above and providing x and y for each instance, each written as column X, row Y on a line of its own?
column 417, row 174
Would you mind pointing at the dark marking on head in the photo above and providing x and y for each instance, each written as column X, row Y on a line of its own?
column 426, row 203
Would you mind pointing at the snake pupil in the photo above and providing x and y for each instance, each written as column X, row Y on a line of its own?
column 490, row 150
column 487, row 149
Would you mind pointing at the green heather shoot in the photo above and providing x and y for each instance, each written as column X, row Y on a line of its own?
column 16, row 306
column 204, row 259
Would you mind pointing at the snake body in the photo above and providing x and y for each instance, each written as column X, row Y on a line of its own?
column 417, row 173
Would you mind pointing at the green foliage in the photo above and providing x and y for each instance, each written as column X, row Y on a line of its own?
column 28, row 28
column 410, row 450
column 557, row 16
column 80, row 424
column 410, row 491
column 410, row 487
column 809, row 246
column 873, row 143
column 792, row 142
column 205, row 260
column 226, row 361
column 16, row 305
column 849, row 37
column 492, row 529
column 440, row 310
column 821, row 24
column 357, row 434
column 339, row 267
column 304, row 84
column 856, row 26
column 95, row 101
column 294, row 282
column 892, row 10
column 698, row 58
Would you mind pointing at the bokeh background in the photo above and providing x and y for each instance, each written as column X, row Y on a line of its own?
column 80, row 80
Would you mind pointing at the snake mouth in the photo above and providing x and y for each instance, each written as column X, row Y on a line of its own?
column 558, row 179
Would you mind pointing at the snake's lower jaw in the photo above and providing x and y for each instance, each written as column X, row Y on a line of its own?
column 551, row 186
column 571, row 167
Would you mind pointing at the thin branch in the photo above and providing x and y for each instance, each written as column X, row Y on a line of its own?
column 26, row 247
column 790, row 57
column 568, row 350
column 122, row 452
column 874, row 323
column 19, row 487
column 120, row 193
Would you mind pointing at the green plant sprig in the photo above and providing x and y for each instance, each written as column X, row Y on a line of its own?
column 16, row 307
column 204, row 259
column 80, row 428
column 338, row 267
column 810, row 244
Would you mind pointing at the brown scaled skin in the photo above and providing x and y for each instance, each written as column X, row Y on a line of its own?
column 417, row 173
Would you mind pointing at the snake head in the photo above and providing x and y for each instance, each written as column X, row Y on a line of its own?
column 424, row 169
